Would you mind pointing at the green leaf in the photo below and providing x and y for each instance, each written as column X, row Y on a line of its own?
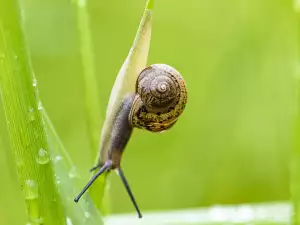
column 24, row 122
column 125, row 81
column 255, row 214
column 67, row 180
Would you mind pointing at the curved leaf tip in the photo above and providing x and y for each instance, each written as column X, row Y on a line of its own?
column 150, row 4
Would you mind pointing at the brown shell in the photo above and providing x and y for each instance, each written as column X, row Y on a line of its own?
column 161, row 96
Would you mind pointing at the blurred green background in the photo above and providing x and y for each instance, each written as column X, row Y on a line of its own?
column 232, row 143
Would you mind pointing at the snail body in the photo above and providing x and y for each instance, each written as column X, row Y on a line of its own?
column 159, row 99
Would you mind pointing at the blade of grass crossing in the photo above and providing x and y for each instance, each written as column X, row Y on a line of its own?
column 295, row 156
column 91, row 93
column 89, row 75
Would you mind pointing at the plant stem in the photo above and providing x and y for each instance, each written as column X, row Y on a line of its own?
column 295, row 173
column 24, row 121
column 89, row 75
column 295, row 156
column 91, row 91
column 124, row 84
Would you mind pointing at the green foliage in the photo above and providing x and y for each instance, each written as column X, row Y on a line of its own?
column 295, row 153
column 232, row 143
column 65, row 171
column 24, row 122
column 38, row 156
column 84, row 212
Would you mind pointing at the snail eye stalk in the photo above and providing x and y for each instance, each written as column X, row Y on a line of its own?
column 122, row 176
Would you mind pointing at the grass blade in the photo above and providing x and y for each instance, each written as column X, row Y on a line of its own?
column 24, row 122
column 90, row 88
column 255, row 214
column 89, row 75
column 295, row 155
column 124, row 83
column 67, row 180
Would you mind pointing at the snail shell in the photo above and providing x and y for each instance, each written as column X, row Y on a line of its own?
column 160, row 98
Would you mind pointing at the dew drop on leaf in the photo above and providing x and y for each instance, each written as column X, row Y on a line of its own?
column 69, row 221
column 31, row 190
column 73, row 173
column 31, row 114
column 57, row 179
column 34, row 82
column 40, row 106
column 87, row 215
column 43, row 156
column 57, row 158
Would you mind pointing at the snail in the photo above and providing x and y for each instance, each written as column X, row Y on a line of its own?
column 159, row 99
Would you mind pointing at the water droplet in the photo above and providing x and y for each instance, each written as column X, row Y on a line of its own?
column 34, row 82
column 57, row 179
column 69, row 221
column 58, row 158
column 32, row 205
column 40, row 106
column 73, row 173
column 31, row 114
column 87, row 215
column 43, row 156
column 31, row 190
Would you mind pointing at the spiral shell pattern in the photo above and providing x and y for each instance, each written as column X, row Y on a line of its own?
column 161, row 96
